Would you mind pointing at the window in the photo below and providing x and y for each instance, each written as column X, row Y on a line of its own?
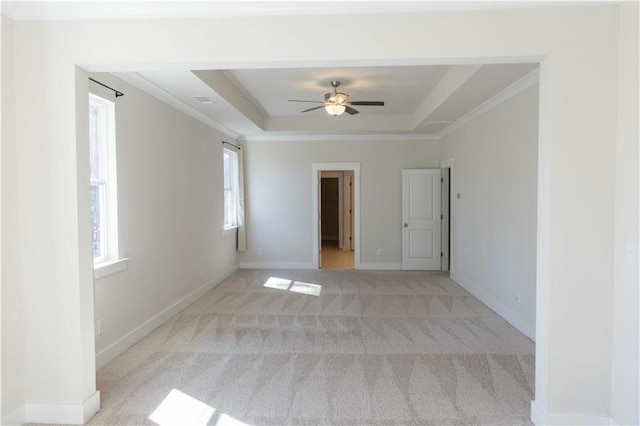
column 102, row 156
column 230, row 170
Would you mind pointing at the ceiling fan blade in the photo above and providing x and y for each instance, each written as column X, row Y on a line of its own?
column 368, row 103
column 351, row 111
column 311, row 109
column 298, row 100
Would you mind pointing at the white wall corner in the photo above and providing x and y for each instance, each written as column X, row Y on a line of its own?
column 540, row 416
column 495, row 305
column 72, row 414
column 124, row 343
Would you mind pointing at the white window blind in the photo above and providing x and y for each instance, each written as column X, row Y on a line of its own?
column 103, row 196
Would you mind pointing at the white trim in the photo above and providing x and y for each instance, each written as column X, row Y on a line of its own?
column 74, row 414
column 104, row 269
column 446, row 164
column 42, row 11
column 495, row 305
column 230, row 230
column 388, row 266
column 540, row 417
column 288, row 136
column 276, row 265
column 510, row 91
column 316, row 168
column 124, row 343
column 16, row 417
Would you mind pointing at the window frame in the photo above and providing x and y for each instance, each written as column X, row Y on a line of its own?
column 233, row 188
column 106, row 181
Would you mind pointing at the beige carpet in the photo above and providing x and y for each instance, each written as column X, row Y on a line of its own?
column 373, row 348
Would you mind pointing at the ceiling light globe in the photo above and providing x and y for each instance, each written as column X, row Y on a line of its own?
column 335, row 109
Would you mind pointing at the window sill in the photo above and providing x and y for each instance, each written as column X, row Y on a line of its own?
column 230, row 230
column 103, row 269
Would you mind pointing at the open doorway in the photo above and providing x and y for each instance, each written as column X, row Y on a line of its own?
column 336, row 219
column 336, row 224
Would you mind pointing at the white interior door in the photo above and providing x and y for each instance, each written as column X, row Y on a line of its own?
column 421, row 219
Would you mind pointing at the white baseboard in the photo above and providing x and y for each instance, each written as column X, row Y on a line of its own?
column 540, row 417
column 16, row 417
column 277, row 265
column 69, row 414
column 371, row 266
column 124, row 343
column 495, row 305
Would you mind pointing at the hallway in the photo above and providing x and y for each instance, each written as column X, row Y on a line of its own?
column 335, row 258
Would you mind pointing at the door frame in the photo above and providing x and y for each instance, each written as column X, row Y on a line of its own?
column 446, row 217
column 316, row 168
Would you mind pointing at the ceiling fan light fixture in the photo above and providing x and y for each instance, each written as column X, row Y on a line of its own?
column 335, row 109
column 340, row 97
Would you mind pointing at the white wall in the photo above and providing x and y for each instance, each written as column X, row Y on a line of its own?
column 625, row 397
column 577, row 47
column 493, row 223
column 12, row 298
column 279, row 204
column 170, row 215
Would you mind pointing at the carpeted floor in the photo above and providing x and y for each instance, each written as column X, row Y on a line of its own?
column 373, row 348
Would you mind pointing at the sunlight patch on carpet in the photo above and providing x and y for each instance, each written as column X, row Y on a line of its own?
column 227, row 420
column 306, row 288
column 178, row 408
column 293, row 286
column 278, row 283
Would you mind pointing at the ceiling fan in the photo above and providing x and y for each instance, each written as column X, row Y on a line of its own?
column 336, row 103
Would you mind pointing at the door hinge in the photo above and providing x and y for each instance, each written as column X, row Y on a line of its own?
column 442, row 180
column 441, row 254
column 349, row 211
column 349, row 238
column 441, row 217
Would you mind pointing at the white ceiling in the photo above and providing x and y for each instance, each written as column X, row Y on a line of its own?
column 420, row 100
column 254, row 103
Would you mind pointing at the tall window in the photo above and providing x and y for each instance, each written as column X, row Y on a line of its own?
column 102, row 154
column 230, row 168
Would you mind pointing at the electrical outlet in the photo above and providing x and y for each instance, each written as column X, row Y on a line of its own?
column 518, row 298
column 100, row 326
column 379, row 252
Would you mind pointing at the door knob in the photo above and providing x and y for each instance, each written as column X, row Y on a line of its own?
column 405, row 225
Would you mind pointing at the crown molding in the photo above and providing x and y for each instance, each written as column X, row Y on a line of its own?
column 140, row 82
column 280, row 137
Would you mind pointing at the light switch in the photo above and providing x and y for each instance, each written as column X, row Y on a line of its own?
column 631, row 254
